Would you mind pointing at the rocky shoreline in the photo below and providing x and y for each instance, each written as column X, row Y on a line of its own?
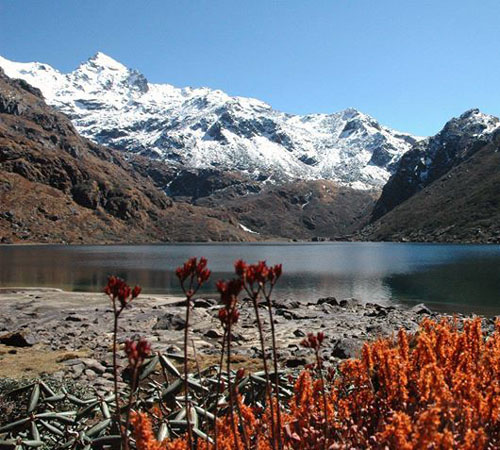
column 67, row 336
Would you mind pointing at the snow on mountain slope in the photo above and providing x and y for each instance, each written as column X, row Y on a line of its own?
column 431, row 158
column 202, row 128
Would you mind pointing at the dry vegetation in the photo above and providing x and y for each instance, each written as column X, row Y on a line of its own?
column 32, row 361
column 438, row 389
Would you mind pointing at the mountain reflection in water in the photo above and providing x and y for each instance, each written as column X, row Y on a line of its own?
column 455, row 278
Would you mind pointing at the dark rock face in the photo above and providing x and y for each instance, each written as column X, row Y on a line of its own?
column 205, row 182
column 86, row 194
column 432, row 158
column 247, row 128
column 18, row 339
column 296, row 210
column 381, row 156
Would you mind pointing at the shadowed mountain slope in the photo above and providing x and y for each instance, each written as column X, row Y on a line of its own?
column 431, row 158
column 56, row 186
column 463, row 205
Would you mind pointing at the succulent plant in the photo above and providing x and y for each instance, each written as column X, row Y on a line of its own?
column 61, row 420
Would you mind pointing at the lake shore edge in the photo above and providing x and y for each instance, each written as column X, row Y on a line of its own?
column 66, row 336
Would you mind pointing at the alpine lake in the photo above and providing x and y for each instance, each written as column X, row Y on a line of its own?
column 447, row 278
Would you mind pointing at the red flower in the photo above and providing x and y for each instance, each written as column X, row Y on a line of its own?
column 229, row 292
column 228, row 316
column 195, row 270
column 118, row 289
column 313, row 341
column 137, row 351
column 136, row 291
column 240, row 267
column 257, row 273
column 276, row 271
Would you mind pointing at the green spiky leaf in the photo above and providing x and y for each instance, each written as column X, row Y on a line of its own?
column 35, row 396
column 168, row 366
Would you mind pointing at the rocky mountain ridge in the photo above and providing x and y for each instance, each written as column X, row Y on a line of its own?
column 431, row 158
column 446, row 188
column 462, row 206
column 207, row 129
column 56, row 186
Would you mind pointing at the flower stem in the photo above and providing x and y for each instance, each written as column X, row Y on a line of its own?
column 186, row 390
column 230, row 388
column 133, row 388
column 219, row 375
column 123, row 433
column 276, row 374
column 254, row 297
column 323, row 392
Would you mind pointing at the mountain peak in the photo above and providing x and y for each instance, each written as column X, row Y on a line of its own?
column 470, row 113
column 102, row 60
column 473, row 122
column 206, row 128
column 350, row 113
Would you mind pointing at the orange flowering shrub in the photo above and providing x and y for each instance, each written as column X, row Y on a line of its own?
column 439, row 389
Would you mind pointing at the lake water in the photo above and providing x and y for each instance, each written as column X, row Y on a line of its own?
column 461, row 278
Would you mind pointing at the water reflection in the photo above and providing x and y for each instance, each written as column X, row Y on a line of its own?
column 450, row 277
column 472, row 286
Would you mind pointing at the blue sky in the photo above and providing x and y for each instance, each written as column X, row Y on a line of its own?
column 410, row 64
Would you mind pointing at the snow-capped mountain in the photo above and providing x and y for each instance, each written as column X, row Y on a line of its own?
column 433, row 157
column 205, row 128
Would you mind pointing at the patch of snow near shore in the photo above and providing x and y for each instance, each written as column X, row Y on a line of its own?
column 248, row 230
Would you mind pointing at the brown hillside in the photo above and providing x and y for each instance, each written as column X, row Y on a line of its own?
column 461, row 206
column 56, row 186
